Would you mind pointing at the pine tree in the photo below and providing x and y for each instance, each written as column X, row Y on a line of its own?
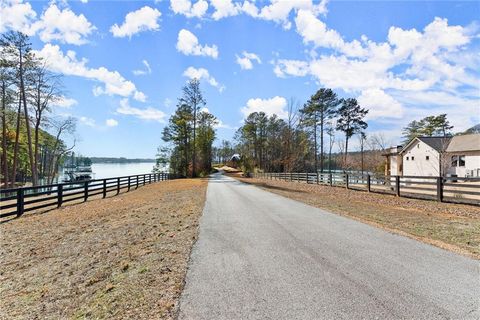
column 350, row 120
column 319, row 109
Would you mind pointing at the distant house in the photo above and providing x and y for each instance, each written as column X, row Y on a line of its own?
column 464, row 155
column 234, row 160
column 436, row 156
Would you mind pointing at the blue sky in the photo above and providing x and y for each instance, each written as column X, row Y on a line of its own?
column 124, row 62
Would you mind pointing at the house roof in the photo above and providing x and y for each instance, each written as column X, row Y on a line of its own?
column 437, row 143
column 467, row 142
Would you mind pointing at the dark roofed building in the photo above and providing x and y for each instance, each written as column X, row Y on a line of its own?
column 436, row 156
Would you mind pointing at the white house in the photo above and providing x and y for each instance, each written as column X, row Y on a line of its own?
column 436, row 156
column 464, row 155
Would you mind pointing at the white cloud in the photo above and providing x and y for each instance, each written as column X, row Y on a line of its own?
column 144, row 114
column 187, row 43
column 411, row 70
column 203, row 74
column 53, row 25
column 245, row 60
column 380, row 104
column 423, row 56
column 275, row 105
column 224, row 8
column 62, row 25
column 295, row 68
column 16, row 15
column 68, row 64
column 64, row 102
column 111, row 123
column 314, row 30
column 143, row 19
column 147, row 69
column 279, row 10
column 89, row 122
column 185, row 7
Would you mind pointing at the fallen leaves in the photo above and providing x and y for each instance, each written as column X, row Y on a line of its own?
column 121, row 257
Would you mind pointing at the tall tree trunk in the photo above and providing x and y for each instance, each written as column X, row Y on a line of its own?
column 321, row 141
column 315, row 140
column 346, row 152
column 27, row 121
column 4, row 136
column 330, row 155
column 194, row 141
column 51, row 167
column 36, row 155
column 361, row 154
column 15, row 148
column 37, row 127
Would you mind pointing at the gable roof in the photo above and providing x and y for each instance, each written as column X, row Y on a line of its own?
column 467, row 142
column 437, row 143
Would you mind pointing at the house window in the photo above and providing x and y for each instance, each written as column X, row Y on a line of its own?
column 454, row 161
column 407, row 158
column 461, row 161
column 418, row 146
column 427, row 157
column 413, row 158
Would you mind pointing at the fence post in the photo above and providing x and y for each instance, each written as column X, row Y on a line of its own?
column 104, row 188
column 59, row 195
column 118, row 185
column 318, row 178
column 330, row 176
column 128, row 189
column 397, row 185
column 85, row 192
column 368, row 183
column 346, row 180
column 307, row 178
column 138, row 178
column 439, row 189
column 20, row 204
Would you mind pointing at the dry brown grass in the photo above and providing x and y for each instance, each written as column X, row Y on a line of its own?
column 122, row 257
column 453, row 227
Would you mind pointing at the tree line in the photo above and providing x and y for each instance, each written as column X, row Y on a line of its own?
column 189, row 135
column 32, row 138
column 305, row 138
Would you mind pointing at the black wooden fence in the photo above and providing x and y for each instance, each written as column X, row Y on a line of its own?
column 449, row 189
column 20, row 200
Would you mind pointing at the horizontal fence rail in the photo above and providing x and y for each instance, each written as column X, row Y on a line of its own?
column 448, row 189
column 18, row 201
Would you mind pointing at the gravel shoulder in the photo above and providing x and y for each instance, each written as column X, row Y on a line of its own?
column 117, row 258
column 449, row 226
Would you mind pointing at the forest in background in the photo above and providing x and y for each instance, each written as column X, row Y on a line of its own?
column 316, row 137
column 32, row 138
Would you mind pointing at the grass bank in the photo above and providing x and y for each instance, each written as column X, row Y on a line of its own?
column 450, row 226
column 117, row 258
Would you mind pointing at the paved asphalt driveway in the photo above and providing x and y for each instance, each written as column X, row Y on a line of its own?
column 263, row 256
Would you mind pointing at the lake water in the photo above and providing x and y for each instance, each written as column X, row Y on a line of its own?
column 111, row 170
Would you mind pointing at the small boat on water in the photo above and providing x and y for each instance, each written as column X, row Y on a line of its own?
column 78, row 173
